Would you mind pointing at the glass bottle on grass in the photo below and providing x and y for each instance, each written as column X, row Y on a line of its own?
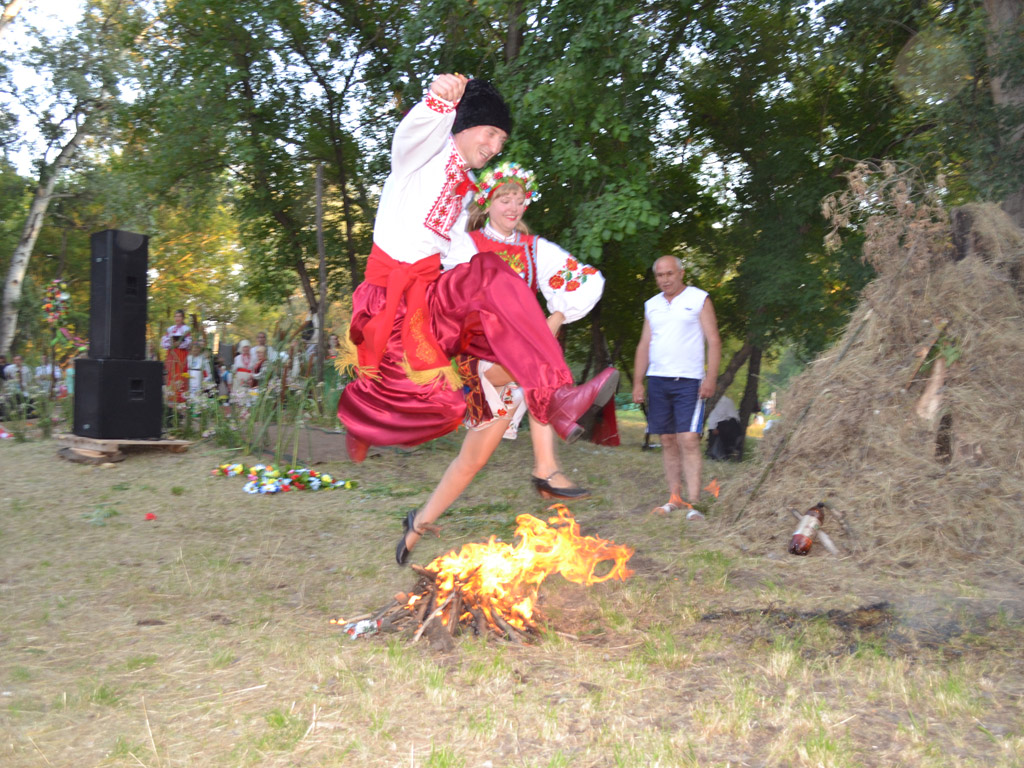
column 803, row 536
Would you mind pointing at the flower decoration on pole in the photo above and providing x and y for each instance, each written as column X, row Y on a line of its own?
column 56, row 304
column 503, row 173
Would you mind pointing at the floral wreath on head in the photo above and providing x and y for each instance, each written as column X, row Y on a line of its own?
column 503, row 173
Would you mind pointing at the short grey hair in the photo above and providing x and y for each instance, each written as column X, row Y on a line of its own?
column 676, row 259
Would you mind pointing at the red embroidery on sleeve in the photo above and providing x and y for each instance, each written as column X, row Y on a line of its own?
column 438, row 105
column 447, row 206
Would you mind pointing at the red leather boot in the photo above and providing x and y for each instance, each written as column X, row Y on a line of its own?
column 569, row 403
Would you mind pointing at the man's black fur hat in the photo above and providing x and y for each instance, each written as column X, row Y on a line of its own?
column 481, row 104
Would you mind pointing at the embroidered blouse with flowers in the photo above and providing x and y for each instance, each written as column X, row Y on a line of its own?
column 182, row 331
column 567, row 285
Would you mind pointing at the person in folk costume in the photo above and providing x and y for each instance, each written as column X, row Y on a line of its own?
column 261, row 366
column 495, row 404
column 200, row 374
column 409, row 320
column 242, row 369
column 176, row 341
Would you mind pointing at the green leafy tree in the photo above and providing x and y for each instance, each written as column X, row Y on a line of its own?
column 952, row 74
column 249, row 97
column 83, row 74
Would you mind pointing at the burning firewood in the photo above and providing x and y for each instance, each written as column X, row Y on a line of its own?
column 492, row 589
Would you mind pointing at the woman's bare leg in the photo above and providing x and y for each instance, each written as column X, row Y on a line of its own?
column 476, row 450
column 545, row 457
column 545, row 460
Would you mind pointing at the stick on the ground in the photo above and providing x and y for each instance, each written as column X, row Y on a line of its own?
column 940, row 326
column 510, row 633
column 432, row 616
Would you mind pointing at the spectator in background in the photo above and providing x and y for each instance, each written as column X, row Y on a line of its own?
column 261, row 365
column 18, row 376
column 272, row 354
column 223, row 378
column 200, row 375
column 47, row 374
column 241, row 370
column 16, row 402
column 678, row 324
column 3, row 367
column 333, row 346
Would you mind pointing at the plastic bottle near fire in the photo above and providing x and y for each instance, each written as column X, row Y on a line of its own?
column 803, row 536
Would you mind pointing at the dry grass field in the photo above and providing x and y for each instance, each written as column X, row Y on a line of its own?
column 203, row 637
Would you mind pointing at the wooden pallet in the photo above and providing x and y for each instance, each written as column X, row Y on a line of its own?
column 90, row 450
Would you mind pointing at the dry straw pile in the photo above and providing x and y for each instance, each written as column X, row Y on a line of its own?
column 911, row 428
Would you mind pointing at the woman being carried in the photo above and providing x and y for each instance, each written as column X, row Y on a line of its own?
column 495, row 403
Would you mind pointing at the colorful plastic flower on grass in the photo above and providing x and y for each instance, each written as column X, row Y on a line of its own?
column 266, row 479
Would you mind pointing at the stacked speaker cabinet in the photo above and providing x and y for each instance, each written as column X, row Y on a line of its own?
column 117, row 307
column 118, row 398
column 118, row 393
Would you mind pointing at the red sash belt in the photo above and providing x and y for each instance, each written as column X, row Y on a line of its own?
column 400, row 279
column 242, row 370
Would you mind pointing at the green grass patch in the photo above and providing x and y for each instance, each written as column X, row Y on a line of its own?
column 284, row 729
column 140, row 662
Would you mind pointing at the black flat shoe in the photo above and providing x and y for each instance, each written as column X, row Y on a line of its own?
column 549, row 491
column 402, row 551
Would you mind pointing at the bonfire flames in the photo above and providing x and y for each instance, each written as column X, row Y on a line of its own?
column 493, row 588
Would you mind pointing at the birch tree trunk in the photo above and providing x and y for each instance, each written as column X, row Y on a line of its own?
column 34, row 223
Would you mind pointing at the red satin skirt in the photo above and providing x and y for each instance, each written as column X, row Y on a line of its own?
column 483, row 309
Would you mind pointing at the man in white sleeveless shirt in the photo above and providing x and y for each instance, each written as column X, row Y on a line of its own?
column 678, row 324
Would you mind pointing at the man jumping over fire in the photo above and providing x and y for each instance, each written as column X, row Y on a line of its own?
column 409, row 320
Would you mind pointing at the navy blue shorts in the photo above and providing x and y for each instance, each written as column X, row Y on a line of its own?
column 674, row 405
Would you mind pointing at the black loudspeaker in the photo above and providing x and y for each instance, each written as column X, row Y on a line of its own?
column 118, row 399
column 117, row 310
